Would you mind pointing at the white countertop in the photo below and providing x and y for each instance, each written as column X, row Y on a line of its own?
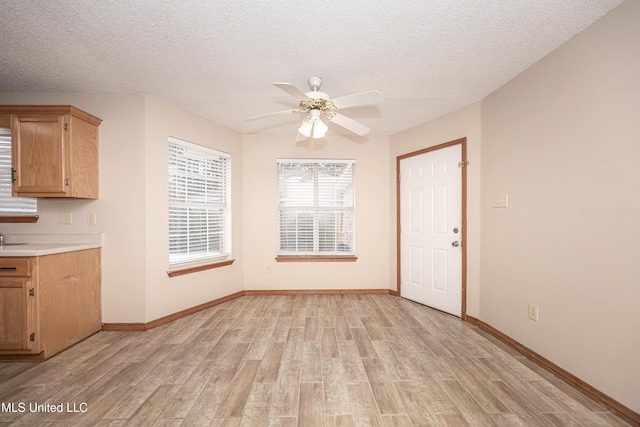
column 41, row 244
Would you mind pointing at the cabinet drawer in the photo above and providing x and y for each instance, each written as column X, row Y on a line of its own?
column 15, row 267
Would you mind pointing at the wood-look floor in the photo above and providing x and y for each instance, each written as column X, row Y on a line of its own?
column 307, row 360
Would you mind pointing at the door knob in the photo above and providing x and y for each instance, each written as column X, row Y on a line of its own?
column 455, row 244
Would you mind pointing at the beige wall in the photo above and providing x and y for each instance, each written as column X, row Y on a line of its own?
column 371, row 270
column 120, row 209
column 166, row 295
column 462, row 123
column 563, row 140
column 132, row 209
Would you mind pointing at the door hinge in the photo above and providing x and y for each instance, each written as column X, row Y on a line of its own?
column 32, row 337
column 463, row 164
column 32, row 292
column 66, row 126
column 66, row 182
column 13, row 175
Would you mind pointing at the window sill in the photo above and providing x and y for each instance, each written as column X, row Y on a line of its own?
column 19, row 219
column 197, row 268
column 315, row 258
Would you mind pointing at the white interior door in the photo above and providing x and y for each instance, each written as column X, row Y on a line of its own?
column 431, row 229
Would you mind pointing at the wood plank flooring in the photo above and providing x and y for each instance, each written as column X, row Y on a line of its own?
column 306, row 360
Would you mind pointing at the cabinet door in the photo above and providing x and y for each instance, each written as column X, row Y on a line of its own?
column 15, row 314
column 39, row 154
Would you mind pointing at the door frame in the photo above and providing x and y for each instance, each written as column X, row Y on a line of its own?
column 464, row 163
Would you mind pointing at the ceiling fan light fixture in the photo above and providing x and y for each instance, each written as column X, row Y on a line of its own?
column 319, row 129
column 306, row 127
column 313, row 126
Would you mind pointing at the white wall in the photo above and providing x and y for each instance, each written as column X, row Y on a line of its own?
column 462, row 123
column 371, row 270
column 563, row 140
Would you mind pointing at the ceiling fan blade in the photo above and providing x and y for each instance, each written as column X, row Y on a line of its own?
column 358, row 99
column 292, row 90
column 273, row 114
column 350, row 124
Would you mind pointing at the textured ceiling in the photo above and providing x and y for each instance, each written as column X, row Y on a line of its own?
column 218, row 58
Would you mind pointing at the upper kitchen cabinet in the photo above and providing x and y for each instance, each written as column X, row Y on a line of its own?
column 54, row 151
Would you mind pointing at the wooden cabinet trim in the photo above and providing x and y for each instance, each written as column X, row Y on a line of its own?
column 48, row 110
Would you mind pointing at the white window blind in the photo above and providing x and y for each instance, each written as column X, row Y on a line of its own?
column 11, row 206
column 199, row 205
column 316, row 206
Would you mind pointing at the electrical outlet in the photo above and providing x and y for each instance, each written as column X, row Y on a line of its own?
column 65, row 218
column 268, row 269
column 91, row 218
column 533, row 312
column 501, row 201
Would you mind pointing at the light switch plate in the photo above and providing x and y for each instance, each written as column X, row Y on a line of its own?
column 91, row 218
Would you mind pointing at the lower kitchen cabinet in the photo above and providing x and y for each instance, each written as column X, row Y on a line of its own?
column 48, row 303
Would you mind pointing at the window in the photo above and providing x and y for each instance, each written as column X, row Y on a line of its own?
column 11, row 206
column 316, row 207
column 199, row 205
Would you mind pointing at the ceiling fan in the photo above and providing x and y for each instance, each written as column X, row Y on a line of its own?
column 318, row 105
